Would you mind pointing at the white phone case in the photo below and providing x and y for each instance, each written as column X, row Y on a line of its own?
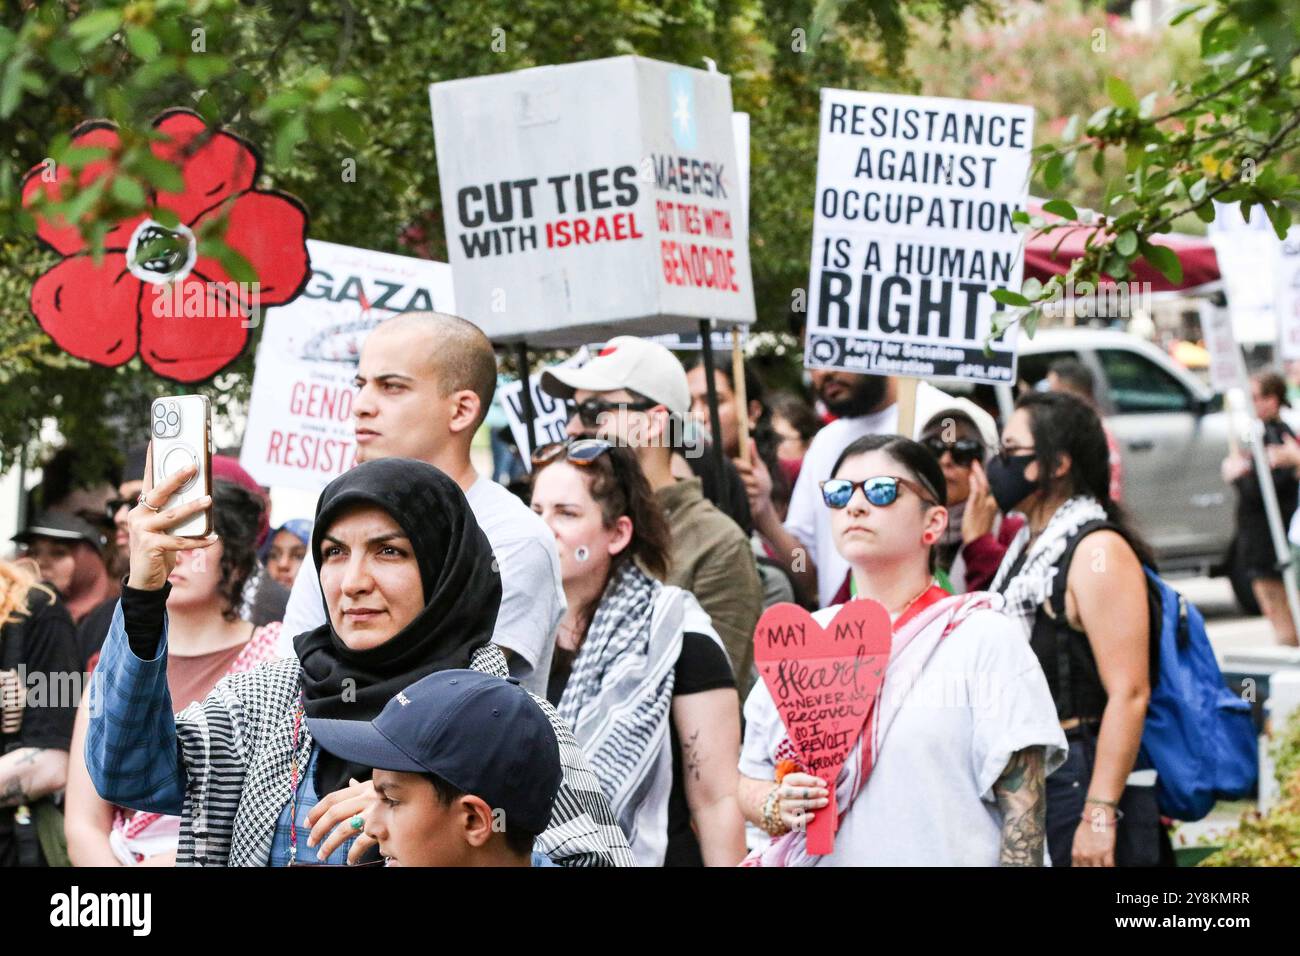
column 181, row 435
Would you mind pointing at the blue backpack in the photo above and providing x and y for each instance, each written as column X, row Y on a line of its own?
column 1199, row 735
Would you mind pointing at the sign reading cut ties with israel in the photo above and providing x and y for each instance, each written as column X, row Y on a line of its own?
column 593, row 199
column 912, row 231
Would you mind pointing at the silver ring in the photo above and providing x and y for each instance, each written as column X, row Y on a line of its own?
column 142, row 501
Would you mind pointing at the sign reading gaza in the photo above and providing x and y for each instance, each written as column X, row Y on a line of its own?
column 912, row 231
column 300, row 432
column 581, row 197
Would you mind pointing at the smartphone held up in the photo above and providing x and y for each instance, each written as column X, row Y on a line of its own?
column 181, row 437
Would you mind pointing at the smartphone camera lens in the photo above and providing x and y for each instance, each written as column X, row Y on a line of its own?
column 173, row 419
column 160, row 429
column 159, row 411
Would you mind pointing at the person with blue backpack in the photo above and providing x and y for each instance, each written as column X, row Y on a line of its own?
column 1097, row 656
column 1153, row 728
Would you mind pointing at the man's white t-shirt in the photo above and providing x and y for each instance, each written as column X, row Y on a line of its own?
column 929, row 801
column 532, row 593
column 808, row 518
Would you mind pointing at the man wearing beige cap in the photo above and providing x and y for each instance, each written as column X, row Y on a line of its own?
column 634, row 393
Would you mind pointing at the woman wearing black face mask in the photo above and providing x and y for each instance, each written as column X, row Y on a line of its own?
column 1088, row 625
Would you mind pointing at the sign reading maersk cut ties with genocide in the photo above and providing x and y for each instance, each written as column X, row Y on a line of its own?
column 912, row 231
column 591, row 199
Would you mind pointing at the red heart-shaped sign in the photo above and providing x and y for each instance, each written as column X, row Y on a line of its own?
column 824, row 682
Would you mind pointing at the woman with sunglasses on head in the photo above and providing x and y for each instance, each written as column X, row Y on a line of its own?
column 638, row 670
column 410, row 586
column 951, row 770
column 1087, row 617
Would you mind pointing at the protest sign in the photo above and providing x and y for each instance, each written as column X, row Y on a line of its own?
column 824, row 683
column 1247, row 255
column 1225, row 362
column 912, row 231
column 1287, row 307
column 300, row 431
column 551, row 415
column 592, row 199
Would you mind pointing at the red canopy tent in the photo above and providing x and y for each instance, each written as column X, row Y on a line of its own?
column 1043, row 258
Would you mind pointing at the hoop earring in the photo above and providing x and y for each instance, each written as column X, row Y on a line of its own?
column 582, row 553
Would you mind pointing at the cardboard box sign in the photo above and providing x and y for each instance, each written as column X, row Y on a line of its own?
column 593, row 199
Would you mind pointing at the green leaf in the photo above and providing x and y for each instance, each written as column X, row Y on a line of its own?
column 127, row 191
column 1121, row 94
column 142, row 42
column 1059, row 207
column 1164, row 260
column 1007, row 297
column 1205, row 213
column 162, row 175
column 1184, row 12
column 1127, row 242
column 1053, row 171
column 92, row 29
column 63, row 56
column 203, row 68
column 1280, row 216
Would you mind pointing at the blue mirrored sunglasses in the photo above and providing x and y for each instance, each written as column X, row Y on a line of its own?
column 879, row 491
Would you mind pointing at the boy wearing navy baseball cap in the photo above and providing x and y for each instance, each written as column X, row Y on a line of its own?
column 466, row 767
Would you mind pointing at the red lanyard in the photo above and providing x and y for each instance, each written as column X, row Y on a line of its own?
column 932, row 595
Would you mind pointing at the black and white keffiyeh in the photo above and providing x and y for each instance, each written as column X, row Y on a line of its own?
column 618, row 701
column 1032, row 583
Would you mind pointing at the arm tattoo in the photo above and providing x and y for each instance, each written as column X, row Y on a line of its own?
column 691, row 756
column 12, row 793
column 1022, row 799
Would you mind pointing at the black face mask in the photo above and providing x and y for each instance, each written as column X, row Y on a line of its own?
column 1007, row 480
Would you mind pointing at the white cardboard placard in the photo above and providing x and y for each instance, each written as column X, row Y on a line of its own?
column 300, row 431
column 592, row 199
column 911, row 232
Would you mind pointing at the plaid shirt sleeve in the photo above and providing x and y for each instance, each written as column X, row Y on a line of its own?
column 131, row 746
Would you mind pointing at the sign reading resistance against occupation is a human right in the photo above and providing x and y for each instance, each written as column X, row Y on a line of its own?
column 912, row 231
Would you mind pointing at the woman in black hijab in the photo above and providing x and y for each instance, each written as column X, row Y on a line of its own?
column 410, row 587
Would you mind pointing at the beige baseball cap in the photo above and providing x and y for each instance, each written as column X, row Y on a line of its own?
column 627, row 362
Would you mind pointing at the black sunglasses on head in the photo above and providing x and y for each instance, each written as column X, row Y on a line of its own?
column 963, row 451
column 589, row 410
column 582, row 451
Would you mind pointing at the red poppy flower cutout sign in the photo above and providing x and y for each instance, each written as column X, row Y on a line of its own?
column 152, row 293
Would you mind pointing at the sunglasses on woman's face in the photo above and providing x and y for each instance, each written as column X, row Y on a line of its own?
column 963, row 451
column 581, row 452
column 879, row 491
column 589, row 410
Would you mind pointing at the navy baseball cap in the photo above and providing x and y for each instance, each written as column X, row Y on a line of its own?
column 483, row 735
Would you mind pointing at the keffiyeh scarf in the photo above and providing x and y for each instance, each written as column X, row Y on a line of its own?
column 618, row 702
column 1032, row 582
